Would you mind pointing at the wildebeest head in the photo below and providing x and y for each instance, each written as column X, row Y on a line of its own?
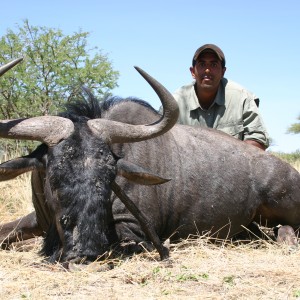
column 79, row 170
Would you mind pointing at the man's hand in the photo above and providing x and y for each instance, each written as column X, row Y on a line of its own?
column 256, row 144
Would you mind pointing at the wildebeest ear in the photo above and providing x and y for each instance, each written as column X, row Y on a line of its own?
column 137, row 174
column 15, row 167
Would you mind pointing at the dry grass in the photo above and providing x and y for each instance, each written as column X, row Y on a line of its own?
column 197, row 270
column 296, row 165
column 15, row 198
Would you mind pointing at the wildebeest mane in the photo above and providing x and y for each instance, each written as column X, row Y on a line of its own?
column 87, row 106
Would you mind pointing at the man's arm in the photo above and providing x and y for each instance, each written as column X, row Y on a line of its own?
column 255, row 132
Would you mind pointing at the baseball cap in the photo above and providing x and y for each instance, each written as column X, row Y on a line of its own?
column 212, row 48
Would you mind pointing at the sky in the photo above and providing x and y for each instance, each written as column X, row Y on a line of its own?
column 260, row 39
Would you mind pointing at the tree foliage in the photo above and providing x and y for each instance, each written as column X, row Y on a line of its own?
column 294, row 128
column 54, row 66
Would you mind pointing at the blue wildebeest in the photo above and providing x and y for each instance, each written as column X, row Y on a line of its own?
column 89, row 160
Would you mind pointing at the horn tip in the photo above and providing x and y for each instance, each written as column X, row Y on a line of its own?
column 141, row 71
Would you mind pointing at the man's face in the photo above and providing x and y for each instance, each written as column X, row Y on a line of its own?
column 208, row 71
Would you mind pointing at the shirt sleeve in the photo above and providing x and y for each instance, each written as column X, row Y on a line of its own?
column 254, row 128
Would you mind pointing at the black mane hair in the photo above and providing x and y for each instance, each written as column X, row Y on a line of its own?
column 87, row 106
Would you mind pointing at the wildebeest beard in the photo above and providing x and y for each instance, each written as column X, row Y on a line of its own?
column 80, row 171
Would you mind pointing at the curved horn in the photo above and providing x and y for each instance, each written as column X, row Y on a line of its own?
column 46, row 129
column 9, row 65
column 116, row 132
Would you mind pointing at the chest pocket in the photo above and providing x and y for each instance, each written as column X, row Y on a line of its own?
column 235, row 130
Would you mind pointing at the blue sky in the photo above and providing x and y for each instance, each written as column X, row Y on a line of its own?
column 260, row 39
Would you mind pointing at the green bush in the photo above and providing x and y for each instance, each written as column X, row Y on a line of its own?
column 288, row 157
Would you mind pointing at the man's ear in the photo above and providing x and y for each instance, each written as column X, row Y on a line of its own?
column 192, row 70
column 224, row 70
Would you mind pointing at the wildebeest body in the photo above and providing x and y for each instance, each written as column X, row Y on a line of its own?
column 218, row 184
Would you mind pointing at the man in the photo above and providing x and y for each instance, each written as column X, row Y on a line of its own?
column 213, row 101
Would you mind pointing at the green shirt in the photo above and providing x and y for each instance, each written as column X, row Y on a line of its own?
column 233, row 111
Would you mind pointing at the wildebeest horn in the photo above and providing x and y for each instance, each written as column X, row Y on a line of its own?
column 9, row 65
column 47, row 129
column 115, row 132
